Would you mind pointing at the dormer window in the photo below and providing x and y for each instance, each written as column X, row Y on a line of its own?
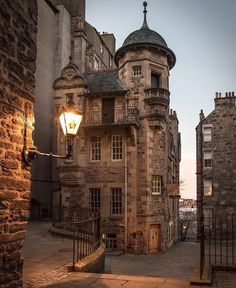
column 137, row 71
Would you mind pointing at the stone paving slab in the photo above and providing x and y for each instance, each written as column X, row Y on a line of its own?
column 179, row 262
column 47, row 258
column 88, row 280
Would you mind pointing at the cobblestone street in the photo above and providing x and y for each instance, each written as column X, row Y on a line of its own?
column 45, row 256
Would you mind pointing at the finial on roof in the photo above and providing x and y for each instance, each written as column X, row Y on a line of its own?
column 145, row 25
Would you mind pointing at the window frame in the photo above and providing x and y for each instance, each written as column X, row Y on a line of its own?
column 207, row 161
column 95, row 151
column 137, row 70
column 116, row 148
column 157, row 77
column 116, row 204
column 156, row 184
column 94, row 199
column 207, row 137
column 207, row 194
column 111, row 241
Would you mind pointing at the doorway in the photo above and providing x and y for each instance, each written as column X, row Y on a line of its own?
column 108, row 113
column 155, row 238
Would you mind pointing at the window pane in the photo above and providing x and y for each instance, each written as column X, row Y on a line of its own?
column 207, row 156
column 137, row 70
column 155, row 80
column 207, row 187
column 94, row 199
column 110, row 241
column 95, row 148
column 156, row 184
column 116, row 147
column 116, row 201
column 207, row 134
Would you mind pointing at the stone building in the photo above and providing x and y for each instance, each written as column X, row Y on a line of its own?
column 126, row 161
column 216, row 158
column 18, row 28
column 62, row 32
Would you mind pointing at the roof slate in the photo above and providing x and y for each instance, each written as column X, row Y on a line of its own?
column 104, row 82
column 145, row 35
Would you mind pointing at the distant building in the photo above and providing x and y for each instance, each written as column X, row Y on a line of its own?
column 126, row 162
column 216, row 157
column 187, row 203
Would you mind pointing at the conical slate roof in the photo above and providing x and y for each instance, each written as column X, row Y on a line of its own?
column 146, row 37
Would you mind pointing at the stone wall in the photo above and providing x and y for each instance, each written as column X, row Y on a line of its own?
column 18, row 28
column 53, row 51
column 223, row 146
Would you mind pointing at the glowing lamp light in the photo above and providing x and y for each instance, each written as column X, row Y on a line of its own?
column 70, row 122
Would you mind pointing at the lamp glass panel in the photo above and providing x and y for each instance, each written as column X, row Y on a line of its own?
column 70, row 122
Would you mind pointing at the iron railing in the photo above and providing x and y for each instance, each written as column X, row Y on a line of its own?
column 161, row 94
column 84, row 226
column 220, row 239
column 87, row 237
column 121, row 115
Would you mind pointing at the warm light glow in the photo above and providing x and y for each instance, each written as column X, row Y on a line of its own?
column 70, row 123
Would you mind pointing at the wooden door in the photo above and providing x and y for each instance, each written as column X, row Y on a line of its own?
column 108, row 106
column 155, row 238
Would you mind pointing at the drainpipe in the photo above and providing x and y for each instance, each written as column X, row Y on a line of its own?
column 126, row 191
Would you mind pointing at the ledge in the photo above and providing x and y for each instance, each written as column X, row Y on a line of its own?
column 92, row 263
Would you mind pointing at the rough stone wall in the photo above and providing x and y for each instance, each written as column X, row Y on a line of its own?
column 152, row 148
column 18, row 28
column 223, row 147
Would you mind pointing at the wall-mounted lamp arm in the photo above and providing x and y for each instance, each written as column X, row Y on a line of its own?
column 32, row 153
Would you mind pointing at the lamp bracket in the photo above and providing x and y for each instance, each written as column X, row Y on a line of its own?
column 32, row 153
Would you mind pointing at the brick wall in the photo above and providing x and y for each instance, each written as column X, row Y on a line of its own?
column 18, row 28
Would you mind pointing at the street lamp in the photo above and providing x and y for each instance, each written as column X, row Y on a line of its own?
column 70, row 120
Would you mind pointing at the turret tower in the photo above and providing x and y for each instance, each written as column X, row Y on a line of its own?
column 144, row 62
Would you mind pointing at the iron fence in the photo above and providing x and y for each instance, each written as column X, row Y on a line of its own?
column 121, row 115
column 219, row 240
column 84, row 226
